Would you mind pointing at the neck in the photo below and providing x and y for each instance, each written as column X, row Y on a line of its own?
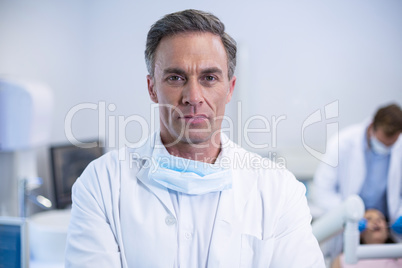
column 207, row 151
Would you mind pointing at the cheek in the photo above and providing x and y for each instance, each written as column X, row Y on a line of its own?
column 222, row 103
column 385, row 234
column 167, row 95
column 163, row 112
column 169, row 113
column 220, row 98
column 365, row 236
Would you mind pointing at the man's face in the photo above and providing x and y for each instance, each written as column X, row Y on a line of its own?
column 382, row 137
column 191, row 86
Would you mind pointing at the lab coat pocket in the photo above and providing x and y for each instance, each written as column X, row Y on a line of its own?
column 255, row 252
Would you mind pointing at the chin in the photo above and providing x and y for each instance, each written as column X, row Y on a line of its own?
column 196, row 137
column 376, row 240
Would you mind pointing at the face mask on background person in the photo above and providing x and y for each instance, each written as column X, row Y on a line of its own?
column 378, row 147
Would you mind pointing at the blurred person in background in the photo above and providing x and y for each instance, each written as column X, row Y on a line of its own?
column 369, row 165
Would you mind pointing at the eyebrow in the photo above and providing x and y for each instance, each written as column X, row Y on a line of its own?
column 182, row 72
column 212, row 70
column 173, row 70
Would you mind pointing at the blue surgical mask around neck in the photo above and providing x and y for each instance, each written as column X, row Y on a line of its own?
column 188, row 176
column 192, row 183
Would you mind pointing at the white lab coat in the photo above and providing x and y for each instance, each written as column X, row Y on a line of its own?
column 120, row 218
column 332, row 185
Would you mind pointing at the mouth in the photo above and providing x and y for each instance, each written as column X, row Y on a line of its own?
column 194, row 119
column 375, row 229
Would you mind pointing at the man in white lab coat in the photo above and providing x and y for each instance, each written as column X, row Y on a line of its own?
column 189, row 197
column 370, row 165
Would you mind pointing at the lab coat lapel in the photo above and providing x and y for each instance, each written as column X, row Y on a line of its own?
column 144, row 156
column 222, row 228
column 161, row 192
column 394, row 183
column 227, row 226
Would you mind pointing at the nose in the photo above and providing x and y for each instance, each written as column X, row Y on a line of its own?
column 377, row 220
column 192, row 93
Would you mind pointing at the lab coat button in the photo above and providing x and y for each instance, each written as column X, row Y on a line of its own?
column 170, row 220
column 187, row 235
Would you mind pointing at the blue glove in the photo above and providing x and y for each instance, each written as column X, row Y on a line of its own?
column 362, row 224
column 397, row 226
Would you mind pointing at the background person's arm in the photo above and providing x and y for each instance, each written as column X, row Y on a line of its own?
column 325, row 193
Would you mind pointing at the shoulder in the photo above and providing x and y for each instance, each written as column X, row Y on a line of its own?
column 113, row 162
column 397, row 148
column 348, row 138
column 269, row 175
column 106, row 162
column 104, row 178
column 353, row 132
column 102, row 170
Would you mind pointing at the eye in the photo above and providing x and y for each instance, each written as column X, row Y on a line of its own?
column 175, row 78
column 210, row 78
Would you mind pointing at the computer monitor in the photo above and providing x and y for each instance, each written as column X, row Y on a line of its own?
column 14, row 247
column 68, row 162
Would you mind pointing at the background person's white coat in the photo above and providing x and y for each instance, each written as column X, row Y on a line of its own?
column 332, row 185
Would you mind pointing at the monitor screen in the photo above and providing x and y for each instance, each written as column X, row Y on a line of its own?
column 13, row 243
column 68, row 162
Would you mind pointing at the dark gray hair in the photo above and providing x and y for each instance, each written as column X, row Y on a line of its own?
column 189, row 20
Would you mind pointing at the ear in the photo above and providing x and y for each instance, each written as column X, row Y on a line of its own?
column 370, row 129
column 151, row 89
column 232, row 84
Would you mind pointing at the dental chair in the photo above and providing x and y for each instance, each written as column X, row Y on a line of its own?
column 346, row 218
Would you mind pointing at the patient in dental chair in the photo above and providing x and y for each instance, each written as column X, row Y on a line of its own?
column 376, row 232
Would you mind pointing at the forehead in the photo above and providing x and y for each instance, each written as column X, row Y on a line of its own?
column 382, row 136
column 373, row 213
column 191, row 48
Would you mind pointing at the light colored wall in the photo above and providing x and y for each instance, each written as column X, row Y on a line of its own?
column 296, row 57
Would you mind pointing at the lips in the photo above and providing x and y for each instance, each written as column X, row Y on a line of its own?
column 194, row 116
column 375, row 228
column 194, row 119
